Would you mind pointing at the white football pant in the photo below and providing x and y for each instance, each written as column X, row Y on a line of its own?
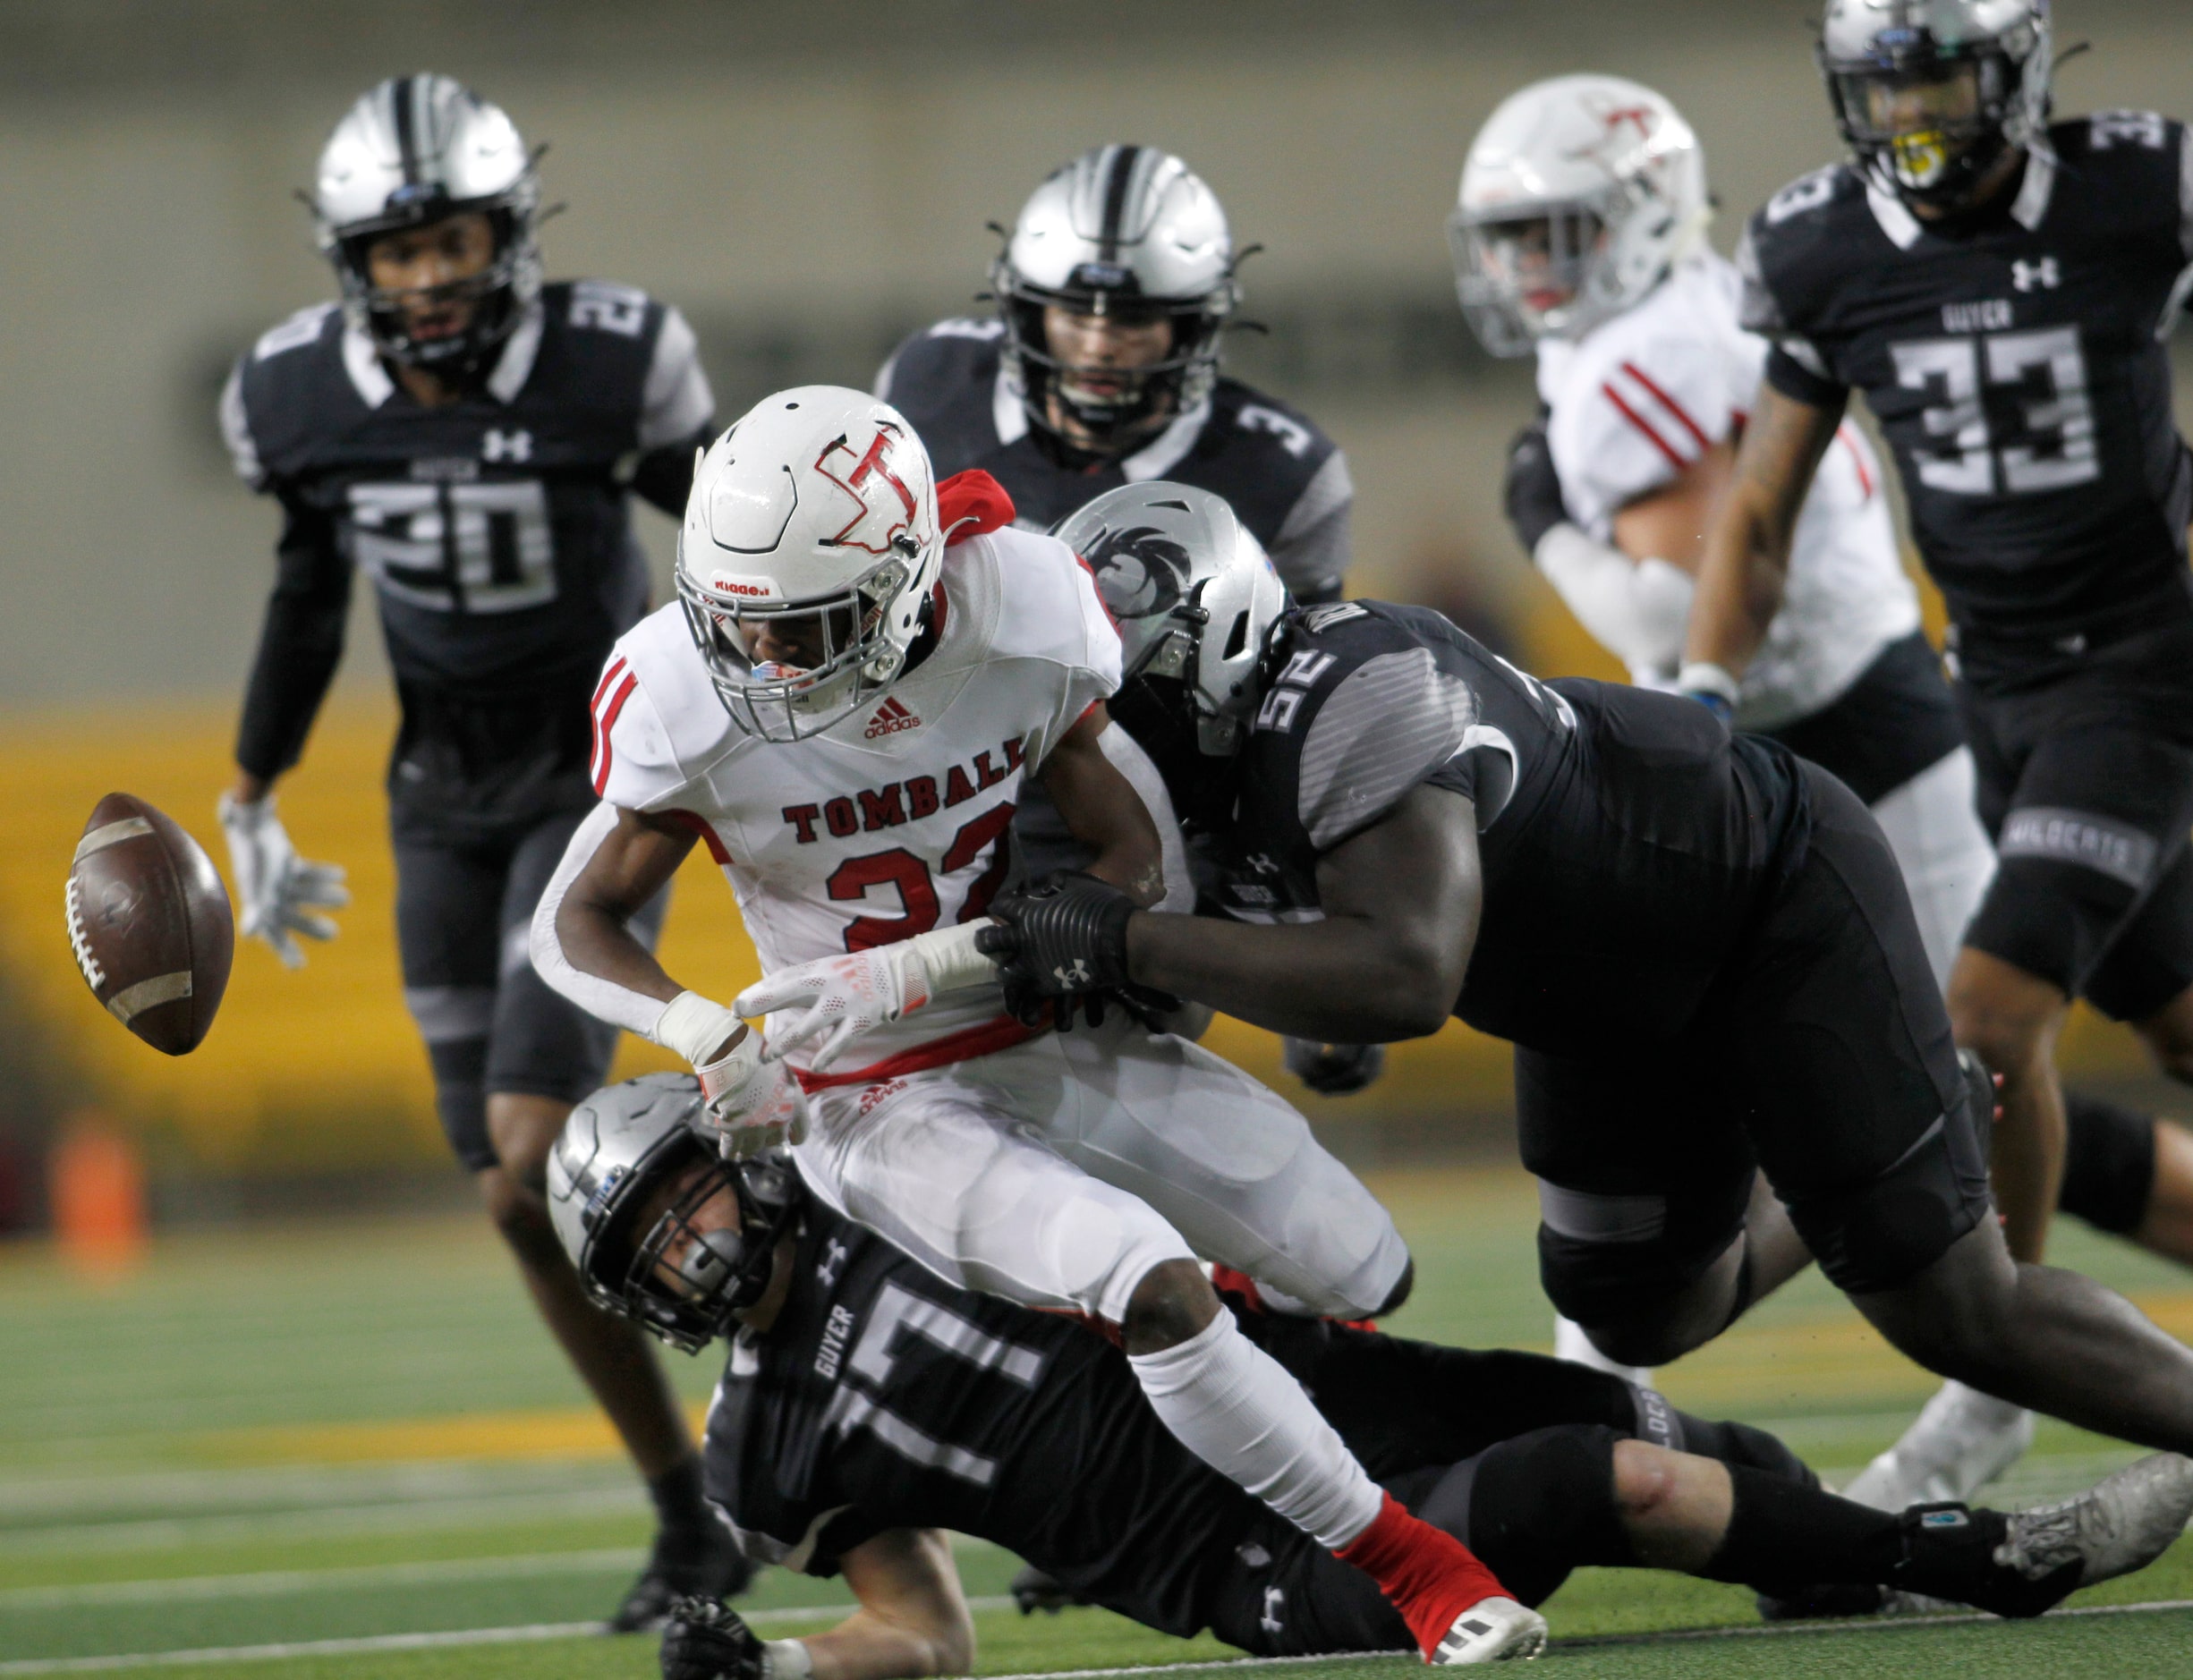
column 1057, row 1173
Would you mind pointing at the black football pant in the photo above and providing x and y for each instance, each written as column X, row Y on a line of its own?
column 491, row 1024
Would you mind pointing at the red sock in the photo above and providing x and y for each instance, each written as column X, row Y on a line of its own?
column 1429, row 1576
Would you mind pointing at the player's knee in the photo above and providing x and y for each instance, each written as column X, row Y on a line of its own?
column 1646, row 1480
column 1542, row 1504
column 1173, row 1302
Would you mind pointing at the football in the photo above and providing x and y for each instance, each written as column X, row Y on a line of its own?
column 149, row 923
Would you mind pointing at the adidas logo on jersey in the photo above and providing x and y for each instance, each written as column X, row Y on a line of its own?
column 890, row 717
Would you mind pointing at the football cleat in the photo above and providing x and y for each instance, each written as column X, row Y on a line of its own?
column 1493, row 1630
column 1035, row 1590
column 709, row 1567
column 2123, row 1522
column 1961, row 1440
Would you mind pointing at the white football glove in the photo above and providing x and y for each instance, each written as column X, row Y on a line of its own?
column 846, row 997
column 279, row 891
column 750, row 1103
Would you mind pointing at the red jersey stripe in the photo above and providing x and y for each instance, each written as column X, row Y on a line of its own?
column 608, row 676
column 1673, row 407
column 964, row 1046
column 1858, row 460
column 1644, row 425
column 605, row 720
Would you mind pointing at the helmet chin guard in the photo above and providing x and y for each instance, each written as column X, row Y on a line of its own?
column 811, row 520
column 416, row 150
column 682, row 1278
column 1195, row 597
column 1128, row 233
column 1579, row 194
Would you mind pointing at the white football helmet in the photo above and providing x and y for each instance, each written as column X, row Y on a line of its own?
column 1577, row 197
column 817, row 512
column 416, row 149
column 1196, row 597
column 1930, row 94
column 1122, row 230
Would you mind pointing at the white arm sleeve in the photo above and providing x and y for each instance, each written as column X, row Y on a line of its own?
column 636, row 1011
column 1637, row 609
column 1132, row 762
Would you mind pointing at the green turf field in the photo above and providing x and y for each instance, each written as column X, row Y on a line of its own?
column 348, row 1453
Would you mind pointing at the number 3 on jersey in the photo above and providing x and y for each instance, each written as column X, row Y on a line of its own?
column 917, row 889
column 2055, row 447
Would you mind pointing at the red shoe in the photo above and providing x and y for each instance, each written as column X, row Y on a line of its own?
column 1456, row 1610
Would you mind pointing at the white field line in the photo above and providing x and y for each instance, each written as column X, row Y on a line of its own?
column 398, row 1516
column 282, row 1583
column 372, row 1643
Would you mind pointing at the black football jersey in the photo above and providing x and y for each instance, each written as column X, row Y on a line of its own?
column 1284, row 479
column 2016, row 363
column 1626, row 839
column 883, row 1398
column 497, row 531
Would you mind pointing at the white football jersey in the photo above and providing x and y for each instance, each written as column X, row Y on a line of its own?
column 894, row 821
column 1640, row 397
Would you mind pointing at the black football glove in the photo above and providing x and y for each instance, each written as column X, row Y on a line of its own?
column 1063, row 940
column 1035, row 1590
column 705, row 1638
column 1532, row 490
column 1334, row 1070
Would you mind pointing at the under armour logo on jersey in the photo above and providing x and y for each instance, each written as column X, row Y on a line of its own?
column 880, row 495
column 834, row 1254
column 1275, row 1601
column 890, row 717
column 1074, row 973
column 2042, row 273
column 498, row 446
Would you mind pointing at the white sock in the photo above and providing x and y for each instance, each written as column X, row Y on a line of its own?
column 1235, row 1408
column 1571, row 1343
column 1984, row 1409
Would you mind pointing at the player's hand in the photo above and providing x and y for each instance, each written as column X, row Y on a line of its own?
column 1334, row 1070
column 1532, row 489
column 748, row 1104
column 1711, row 686
column 280, row 893
column 846, row 997
column 1062, row 939
column 706, row 1639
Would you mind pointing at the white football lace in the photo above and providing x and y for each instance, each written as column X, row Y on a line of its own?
column 2042, row 1539
column 80, row 939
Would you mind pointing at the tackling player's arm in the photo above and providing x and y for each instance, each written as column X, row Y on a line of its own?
column 1103, row 811
column 1401, row 902
column 1745, row 562
column 1670, row 523
column 632, row 863
column 912, row 1622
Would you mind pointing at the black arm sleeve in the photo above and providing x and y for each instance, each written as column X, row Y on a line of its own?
column 301, row 644
column 663, row 477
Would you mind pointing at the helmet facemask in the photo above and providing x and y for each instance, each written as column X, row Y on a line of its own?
column 496, row 292
column 1546, row 271
column 853, row 657
column 1928, row 120
column 1140, row 400
column 686, row 1276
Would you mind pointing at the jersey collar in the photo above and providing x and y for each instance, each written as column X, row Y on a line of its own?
column 1153, row 460
column 2029, row 209
column 370, row 379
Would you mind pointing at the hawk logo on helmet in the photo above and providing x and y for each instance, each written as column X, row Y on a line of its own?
column 880, row 493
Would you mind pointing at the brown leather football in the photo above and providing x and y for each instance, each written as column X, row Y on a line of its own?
column 149, row 923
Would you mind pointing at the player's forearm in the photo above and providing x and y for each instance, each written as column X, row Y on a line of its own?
column 1740, row 582
column 1342, row 979
column 582, row 943
column 865, row 1646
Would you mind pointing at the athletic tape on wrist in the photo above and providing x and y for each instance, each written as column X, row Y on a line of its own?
column 786, row 1659
column 693, row 1026
column 949, row 959
column 1703, row 677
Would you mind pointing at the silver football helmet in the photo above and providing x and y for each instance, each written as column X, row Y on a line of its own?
column 618, row 1153
column 1128, row 232
column 414, row 150
column 1196, row 597
column 1577, row 197
column 1931, row 93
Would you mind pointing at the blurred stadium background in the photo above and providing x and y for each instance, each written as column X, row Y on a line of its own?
column 355, row 1429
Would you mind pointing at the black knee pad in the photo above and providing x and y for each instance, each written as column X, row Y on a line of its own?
column 1738, row 1445
column 1535, row 1507
column 2108, row 1164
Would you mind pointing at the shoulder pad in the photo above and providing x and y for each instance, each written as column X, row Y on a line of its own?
column 657, row 720
column 2114, row 131
column 981, row 329
column 1806, row 195
column 1257, row 417
column 939, row 366
column 597, row 306
column 1048, row 604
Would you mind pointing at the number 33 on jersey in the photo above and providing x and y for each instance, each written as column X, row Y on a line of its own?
column 894, row 821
